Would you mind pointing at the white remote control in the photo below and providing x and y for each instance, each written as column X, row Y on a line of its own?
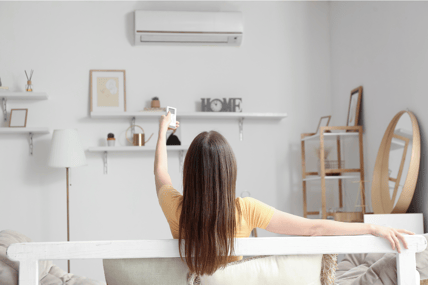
column 173, row 111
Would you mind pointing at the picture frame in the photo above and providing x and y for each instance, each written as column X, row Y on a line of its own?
column 18, row 118
column 354, row 107
column 324, row 121
column 108, row 90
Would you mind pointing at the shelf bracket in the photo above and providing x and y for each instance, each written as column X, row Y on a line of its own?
column 31, row 143
column 105, row 163
column 132, row 127
column 181, row 160
column 4, row 105
column 241, row 128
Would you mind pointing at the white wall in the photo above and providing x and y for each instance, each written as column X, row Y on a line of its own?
column 384, row 47
column 282, row 66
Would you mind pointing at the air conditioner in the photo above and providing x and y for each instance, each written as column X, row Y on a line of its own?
column 188, row 28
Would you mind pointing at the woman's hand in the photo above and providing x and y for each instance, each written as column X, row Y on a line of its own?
column 164, row 123
column 392, row 235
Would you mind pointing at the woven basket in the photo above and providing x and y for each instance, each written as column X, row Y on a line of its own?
column 331, row 164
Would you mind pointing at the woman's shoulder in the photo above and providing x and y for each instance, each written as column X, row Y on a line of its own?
column 246, row 201
column 168, row 191
column 249, row 204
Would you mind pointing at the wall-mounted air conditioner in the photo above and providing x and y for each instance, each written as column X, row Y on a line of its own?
column 194, row 28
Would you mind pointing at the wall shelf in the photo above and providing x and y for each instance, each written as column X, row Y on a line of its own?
column 107, row 149
column 10, row 95
column 195, row 115
column 192, row 115
column 134, row 148
column 314, row 178
column 330, row 136
column 34, row 131
column 24, row 95
column 29, row 131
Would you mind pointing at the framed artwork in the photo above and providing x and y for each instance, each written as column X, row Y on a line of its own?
column 324, row 121
column 354, row 107
column 18, row 118
column 108, row 90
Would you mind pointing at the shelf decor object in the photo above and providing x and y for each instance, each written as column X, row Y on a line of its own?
column 324, row 121
column 18, row 118
column 340, row 173
column 10, row 95
column 108, row 90
column 221, row 105
column 192, row 115
column 354, row 107
column 138, row 139
column 397, row 165
column 106, row 149
column 29, row 86
column 66, row 151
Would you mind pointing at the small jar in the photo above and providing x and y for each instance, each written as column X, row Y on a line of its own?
column 110, row 139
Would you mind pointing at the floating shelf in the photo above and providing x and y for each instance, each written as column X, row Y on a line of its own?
column 106, row 149
column 9, row 95
column 331, row 136
column 29, row 131
column 24, row 130
column 333, row 177
column 193, row 115
column 134, row 148
column 196, row 115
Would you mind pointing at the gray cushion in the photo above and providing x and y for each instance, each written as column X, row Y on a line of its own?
column 376, row 268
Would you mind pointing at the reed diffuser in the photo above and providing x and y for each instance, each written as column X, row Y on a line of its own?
column 29, row 86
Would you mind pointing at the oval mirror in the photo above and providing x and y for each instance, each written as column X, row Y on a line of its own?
column 397, row 165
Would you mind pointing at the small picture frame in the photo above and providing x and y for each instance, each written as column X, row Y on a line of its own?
column 108, row 90
column 324, row 121
column 18, row 118
column 354, row 107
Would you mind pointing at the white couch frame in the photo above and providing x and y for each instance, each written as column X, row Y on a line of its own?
column 29, row 254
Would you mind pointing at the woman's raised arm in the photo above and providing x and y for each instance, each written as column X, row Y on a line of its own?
column 288, row 224
column 161, row 163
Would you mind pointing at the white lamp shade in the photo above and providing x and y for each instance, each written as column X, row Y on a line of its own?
column 66, row 149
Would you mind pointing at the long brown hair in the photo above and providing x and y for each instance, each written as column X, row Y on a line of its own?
column 207, row 221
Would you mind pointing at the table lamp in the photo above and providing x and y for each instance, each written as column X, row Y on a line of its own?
column 66, row 151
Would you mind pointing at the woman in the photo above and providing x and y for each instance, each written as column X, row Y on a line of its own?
column 208, row 217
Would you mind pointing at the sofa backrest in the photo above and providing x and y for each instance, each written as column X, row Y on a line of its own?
column 142, row 271
column 290, row 269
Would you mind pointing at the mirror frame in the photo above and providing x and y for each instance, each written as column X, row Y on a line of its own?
column 381, row 199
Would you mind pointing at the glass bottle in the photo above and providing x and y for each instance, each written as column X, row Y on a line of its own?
column 29, row 86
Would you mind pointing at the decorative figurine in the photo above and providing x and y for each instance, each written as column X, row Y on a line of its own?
column 29, row 86
column 155, row 106
column 110, row 139
column 221, row 105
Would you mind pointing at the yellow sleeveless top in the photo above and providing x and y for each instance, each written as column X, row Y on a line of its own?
column 255, row 214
